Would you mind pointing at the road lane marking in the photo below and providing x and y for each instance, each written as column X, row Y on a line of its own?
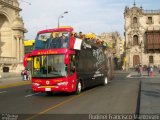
column 59, row 104
column 15, row 84
column 31, row 95
column 3, row 92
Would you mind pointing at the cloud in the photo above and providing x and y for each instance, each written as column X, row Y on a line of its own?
column 96, row 16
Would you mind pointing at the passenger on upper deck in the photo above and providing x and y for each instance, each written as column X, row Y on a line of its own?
column 48, row 42
column 80, row 36
column 54, row 42
column 75, row 35
column 64, row 41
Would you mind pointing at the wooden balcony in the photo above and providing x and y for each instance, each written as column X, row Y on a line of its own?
column 153, row 46
column 152, row 41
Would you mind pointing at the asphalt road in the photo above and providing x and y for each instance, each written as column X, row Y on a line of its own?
column 118, row 97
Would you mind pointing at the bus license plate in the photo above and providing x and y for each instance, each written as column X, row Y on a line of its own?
column 47, row 89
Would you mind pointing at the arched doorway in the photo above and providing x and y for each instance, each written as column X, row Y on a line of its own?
column 5, row 36
column 136, row 60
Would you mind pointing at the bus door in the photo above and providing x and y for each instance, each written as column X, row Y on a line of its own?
column 72, row 77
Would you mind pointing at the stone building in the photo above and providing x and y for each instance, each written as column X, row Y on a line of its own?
column 142, row 36
column 11, row 36
column 115, row 40
column 117, row 49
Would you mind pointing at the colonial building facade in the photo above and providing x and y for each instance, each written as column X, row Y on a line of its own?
column 117, row 47
column 142, row 36
column 115, row 40
column 11, row 36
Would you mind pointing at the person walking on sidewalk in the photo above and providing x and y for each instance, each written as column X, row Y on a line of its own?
column 151, row 71
column 148, row 69
column 159, row 69
column 24, row 74
column 140, row 70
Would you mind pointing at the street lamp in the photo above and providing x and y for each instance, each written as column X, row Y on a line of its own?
column 61, row 16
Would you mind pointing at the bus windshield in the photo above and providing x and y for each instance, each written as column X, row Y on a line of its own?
column 48, row 66
column 52, row 40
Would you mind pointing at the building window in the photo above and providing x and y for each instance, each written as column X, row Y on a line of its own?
column 150, row 59
column 134, row 20
column 135, row 40
column 150, row 20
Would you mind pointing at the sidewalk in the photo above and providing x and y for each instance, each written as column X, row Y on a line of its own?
column 135, row 74
column 11, row 79
column 150, row 96
column 149, row 92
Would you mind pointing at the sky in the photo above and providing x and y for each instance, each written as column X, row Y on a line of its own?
column 96, row 16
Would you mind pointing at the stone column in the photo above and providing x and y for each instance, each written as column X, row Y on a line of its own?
column 130, row 58
column 20, row 49
column 17, row 45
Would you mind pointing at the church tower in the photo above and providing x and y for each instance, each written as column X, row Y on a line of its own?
column 11, row 36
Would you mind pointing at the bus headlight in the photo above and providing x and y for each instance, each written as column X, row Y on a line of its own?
column 62, row 83
column 35, row 84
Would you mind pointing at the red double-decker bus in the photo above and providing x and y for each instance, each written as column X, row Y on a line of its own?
column 63, row 63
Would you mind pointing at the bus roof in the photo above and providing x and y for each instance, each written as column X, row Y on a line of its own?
column 60, row 29
column 29, row 42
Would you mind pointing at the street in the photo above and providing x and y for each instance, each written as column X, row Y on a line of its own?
column 65, row 48
column 120, row 96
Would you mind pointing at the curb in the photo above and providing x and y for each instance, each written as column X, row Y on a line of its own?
column 143, row 76
column 15, row 84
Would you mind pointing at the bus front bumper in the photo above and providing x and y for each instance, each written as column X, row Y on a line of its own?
column 52, row 88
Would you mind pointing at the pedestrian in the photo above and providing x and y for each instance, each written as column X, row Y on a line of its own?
column 151, row 71
column 148, row 69
column 159, row 69
column 140, row 70
column 137, row 68
column 24, row 74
